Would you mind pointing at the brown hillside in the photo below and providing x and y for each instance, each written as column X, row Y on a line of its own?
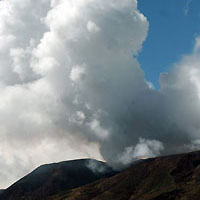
column 51, row 179
column 175, row 177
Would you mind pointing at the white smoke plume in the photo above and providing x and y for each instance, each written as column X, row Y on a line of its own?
column 97, row 167
column 70, row 87
column 143, row 150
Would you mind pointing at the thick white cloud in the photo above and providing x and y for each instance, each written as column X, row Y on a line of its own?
column 61, row 65
column 71, row 88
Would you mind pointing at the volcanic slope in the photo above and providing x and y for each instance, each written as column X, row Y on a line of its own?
column 175, row 177
column 51, row 179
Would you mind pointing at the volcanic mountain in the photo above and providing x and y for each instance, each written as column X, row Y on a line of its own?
column 174, row 177
column 51, row 179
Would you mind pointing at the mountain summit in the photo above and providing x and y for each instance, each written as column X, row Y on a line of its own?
column 173, row 177
column 50, row 179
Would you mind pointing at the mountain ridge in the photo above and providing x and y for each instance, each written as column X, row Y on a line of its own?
column 172, row 177
column 48, row 179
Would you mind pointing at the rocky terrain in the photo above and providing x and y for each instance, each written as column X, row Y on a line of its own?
column 174, row 177
column 48, row 180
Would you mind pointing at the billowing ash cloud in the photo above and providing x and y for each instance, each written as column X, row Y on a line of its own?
column 70, row 87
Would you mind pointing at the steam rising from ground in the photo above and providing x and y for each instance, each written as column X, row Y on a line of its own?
column 144, row 149
column 70, row 87
column 97, row 167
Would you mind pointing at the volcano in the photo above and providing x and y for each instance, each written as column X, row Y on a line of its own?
column 173, row 177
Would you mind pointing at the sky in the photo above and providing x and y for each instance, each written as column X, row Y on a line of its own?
column 79, row 79
column 173, row 28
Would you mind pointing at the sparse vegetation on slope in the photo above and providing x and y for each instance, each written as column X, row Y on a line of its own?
column 175, row 177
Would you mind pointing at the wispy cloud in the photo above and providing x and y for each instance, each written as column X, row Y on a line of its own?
column 187, row 7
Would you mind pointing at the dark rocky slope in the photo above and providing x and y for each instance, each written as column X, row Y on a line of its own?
column 51, row 179
column 175, row 177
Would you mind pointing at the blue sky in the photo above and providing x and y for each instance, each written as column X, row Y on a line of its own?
column 174, row 24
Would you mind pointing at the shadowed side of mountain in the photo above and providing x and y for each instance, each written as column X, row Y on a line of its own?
column 54, row 178
column 175, row 177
